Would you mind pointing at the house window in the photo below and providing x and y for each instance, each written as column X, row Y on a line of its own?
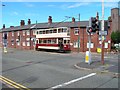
column 92, row 45
column 76, row 31
column 23, row 44
column 18, row 43
column 12, row 33
column 27, row 39
column 12, row 41
column 28, row 32
column 28, row 43
column 23, row 33
column 18, row 33
column 106, row 45
column 76, row 45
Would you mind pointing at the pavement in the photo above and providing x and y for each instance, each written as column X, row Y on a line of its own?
column 97, row 66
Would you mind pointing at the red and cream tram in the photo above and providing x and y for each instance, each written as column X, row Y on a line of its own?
column 53, row 39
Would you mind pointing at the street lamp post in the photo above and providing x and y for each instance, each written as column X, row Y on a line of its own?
column 79, row 31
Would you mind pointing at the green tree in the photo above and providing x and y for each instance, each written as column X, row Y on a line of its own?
column 115, row 36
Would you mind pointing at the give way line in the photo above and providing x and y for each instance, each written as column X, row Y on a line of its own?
column 72, row 81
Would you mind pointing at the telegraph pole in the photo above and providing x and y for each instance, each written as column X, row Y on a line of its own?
column 102, row 36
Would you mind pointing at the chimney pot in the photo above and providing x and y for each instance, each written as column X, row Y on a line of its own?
column 3, row 26
column 50, row 20
column 22, row 23
column 29, row 22
column 73, row 20
column 11, row 26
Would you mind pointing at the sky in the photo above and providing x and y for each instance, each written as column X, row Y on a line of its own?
column 14, row 12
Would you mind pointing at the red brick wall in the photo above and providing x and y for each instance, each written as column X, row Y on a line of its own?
column 84, row 40
column 22, row 39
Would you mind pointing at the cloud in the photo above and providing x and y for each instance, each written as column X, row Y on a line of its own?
column 51, row 5
column 111, row 4
column 14, row 13
column 29, row 5
column 31, row 14
column 78, row 5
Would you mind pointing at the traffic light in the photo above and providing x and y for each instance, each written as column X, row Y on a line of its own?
column 94, row 24
column 89, row 30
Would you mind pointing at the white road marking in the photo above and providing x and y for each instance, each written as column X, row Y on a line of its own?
column 73, row 81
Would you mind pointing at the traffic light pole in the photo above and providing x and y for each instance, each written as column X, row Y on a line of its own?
column 102, row 36
column 89, row 49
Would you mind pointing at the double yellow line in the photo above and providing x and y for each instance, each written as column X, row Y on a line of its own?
column 13, row 84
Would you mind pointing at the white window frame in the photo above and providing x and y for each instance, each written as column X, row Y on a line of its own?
column 75, row 44
column 76, row 31
column 18, row 43
column 23, row 43
column 7, row 34
column 12, row 33
column 18, row 33
column 106, row 45
column 92, row 45
column 28, row 43
column 23, row 32
column 28, row 32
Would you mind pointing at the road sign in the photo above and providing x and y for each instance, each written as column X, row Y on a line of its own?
column 103, row 33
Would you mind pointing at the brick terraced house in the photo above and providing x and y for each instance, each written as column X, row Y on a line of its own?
column 24, row 36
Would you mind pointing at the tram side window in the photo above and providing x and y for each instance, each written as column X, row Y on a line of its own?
column 37, row 32
column 40, row 32
column 55, row 31
column 44, row 41
column 49, row 41
column 53, row 41
column 60, row 30
column 43, row 32
column 68, row 41
column 47, row 31
column 64, row 29
column 68, row 32
column 40, row 41
column 51, row 31
column 65, row 41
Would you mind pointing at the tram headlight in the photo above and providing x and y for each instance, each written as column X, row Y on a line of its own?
column 65, row 46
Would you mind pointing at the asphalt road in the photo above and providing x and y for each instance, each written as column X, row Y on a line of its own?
column 50, row 70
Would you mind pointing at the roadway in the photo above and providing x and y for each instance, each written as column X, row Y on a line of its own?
column 50, row 70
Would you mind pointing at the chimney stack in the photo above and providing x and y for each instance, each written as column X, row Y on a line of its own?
column 22, row 23
column 3, row 26
column 29, row 21
column 11, row 26
column 50, row 20
column 73, row 20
